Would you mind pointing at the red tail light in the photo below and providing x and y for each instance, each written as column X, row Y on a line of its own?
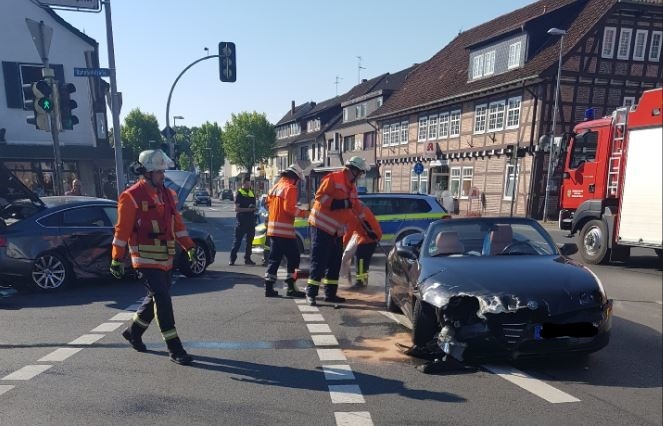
column 446, row 216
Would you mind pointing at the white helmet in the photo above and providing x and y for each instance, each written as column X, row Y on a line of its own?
column 358, row 163
column 155, row 159
column 294, row 168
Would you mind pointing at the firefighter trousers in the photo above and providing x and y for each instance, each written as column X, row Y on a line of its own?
column 363, row 257
column 326, row 255
column 157, row 303
column 278, row 248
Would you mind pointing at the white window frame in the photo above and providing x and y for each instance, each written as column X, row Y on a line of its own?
column 642, row 47
column 405, row 133
column 480, row 118
column 608, row 46
column 419, row 182
column 345, row 114
column 514, row 55
column 454, row 123
column 655, row 46
column 495, row 114
column 624, row 41
column 386, row 135
column 510, row 175
column 432, row 127
column 489, row 63
column 629, row 101
column 513, row 112
column 443, row 131
column 455, row 176
column 477, row 66
column 395, row 130
column 387, row 181
column 467, row 176
column 423, row 129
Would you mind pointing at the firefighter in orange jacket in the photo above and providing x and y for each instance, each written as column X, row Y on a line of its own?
column 282, row 205
column 336, row 205
column 149, row 223
column 368, row 233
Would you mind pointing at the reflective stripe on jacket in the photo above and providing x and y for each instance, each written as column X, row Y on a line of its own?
column 334, row 186
column 149, row 225
column 282, row 204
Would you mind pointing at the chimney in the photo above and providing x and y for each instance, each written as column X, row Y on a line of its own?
column 292, row 108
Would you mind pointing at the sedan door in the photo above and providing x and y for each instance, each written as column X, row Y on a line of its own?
column 88, row 233
column 388, row 212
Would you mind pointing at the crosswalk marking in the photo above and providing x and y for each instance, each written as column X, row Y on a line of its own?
column 27, row 372
column 59, row 354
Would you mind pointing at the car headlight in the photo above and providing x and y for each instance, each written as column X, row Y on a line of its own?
column 599, row 284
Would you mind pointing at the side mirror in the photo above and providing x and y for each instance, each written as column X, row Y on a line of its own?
column 406, row 252
column 567, row 249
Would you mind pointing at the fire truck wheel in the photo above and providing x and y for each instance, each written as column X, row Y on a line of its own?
column 594, row 242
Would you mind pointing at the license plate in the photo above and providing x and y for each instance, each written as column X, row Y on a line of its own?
column 537, row 332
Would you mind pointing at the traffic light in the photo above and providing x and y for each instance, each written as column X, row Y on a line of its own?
column 66, row 106
column 41, row 103
column 227, row 62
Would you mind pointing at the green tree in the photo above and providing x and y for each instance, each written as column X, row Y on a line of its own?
column 138, row 130
column 185, row 161
column 248, row 139
column 207, row 147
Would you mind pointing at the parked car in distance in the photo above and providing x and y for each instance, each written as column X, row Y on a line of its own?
column 227, row 194
column 202, row 197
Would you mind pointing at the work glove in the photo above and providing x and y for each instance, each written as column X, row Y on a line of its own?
column 117, row 269
column 372, row 235
column 191, row 254
column 341, row 204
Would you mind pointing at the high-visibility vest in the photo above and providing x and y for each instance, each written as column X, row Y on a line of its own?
column 153, row 226
column 334, row 186
column 282, row 202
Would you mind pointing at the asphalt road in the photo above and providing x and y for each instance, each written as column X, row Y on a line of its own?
column 274, row 361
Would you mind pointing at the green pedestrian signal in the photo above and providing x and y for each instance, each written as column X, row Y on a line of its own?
column 39, row 100
column 46, row 104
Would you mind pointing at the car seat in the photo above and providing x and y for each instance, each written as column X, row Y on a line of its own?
column 448, row 243
column 497, row 240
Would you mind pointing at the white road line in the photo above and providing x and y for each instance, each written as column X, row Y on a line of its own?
column 338, row 372
column 318, row 328
column 27, row 372
column 132, row 307
column 5, row 388
column 122, row 316
column 353, row 418
column 87, row 339
column 59, row 354
column 106, row 327
column 300, row 301
column 530, row 384
column 313, row 317
column 324, row 340
column 346, row 394
column 307, row 308
column 331, row 355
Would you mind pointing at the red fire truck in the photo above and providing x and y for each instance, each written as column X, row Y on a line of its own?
column 611, row 193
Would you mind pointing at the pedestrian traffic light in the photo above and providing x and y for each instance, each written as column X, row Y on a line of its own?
column 66, row 106
column 40, row 101
column 227, row 62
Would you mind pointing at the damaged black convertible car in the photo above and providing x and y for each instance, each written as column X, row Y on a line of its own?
column 480, row 288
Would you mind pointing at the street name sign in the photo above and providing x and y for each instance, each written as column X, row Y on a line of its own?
column 75, row 4
column 91, row 72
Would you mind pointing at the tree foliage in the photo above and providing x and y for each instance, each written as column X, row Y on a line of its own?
column 207, row 147
column 185, row 161
column 239, row 145
column 138, row 130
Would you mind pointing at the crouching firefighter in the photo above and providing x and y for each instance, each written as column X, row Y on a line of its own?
column 282, row 205
column 149, row 223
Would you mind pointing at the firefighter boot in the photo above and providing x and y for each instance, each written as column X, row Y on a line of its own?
column 133, row 335
column 269, row 289
column 292, row 290
column 177, row 353
column 311, row 294
column 330, row 294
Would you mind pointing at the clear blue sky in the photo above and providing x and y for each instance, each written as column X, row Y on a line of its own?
column 288, row 50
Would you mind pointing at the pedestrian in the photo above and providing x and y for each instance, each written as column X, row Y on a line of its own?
column 282, row 203
column 76, row 188
column 367, row 233
column 149, row 223
column 245, row 207
column 335, row 206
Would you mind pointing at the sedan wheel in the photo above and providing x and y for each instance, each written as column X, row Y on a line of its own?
column 424, row 323
column 49, row 272
column 199, row 264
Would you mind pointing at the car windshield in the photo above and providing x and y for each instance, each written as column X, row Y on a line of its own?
column 487, row 238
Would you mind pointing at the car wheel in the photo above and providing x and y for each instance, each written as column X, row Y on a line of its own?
column 50, row 272
column 198, row 266
column 594, row 242
column 388, row 299
column 424, row 323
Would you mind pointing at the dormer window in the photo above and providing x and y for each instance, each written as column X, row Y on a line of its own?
column 498, row 57
column 514, row 55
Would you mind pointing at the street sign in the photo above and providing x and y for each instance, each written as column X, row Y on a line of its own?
column 41, row 36
column 168, row 132
column 91, row 72
column 431, row 151
column 418, row 168
column 75, row 4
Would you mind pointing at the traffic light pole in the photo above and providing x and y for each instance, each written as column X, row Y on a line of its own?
column 49, row 75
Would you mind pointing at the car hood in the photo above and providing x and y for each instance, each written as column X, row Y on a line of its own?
column 12, row 189
column 182, row 182
column 507, row 284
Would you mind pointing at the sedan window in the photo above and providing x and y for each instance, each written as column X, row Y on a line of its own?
column 111, row 212
column 86, row 217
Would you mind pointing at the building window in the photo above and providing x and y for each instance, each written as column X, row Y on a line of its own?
column 394, row 133
column 303, row 153
column 432, row 127
column 513, row 113
column 359, row 142
column 640, row 43
column 345, row 114
column 655, row 46
column 489, row 63
column 514, row 55
column 379, row 101
column 480, row 118
column 629, row 101
column 444, row 125
column 496, row 116
column 404, row 132
column 419, row 183
column 387, row 181
column 348, row 143
column 454, row 186
column 477, row 66
column 510, row 179
column 608, row 42
column 624, row 47
column 454, row 126
column 385, row 135
column 466, row 185
column 423, row 128
column 369, row 140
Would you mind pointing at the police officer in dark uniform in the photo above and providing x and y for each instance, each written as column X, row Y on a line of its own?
column 245, row 207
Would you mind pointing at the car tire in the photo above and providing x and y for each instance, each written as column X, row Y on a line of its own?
column 50, row 272
column 388, row 299
column 424, row 323
column 197, row 267
column 594, row 242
